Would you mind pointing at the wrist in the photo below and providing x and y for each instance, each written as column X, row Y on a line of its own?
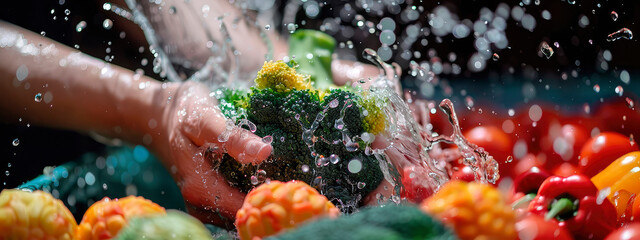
column 140, row 110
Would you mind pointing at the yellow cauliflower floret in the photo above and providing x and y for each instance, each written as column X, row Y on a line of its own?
column 277, row 206
column 34, row 215
column 375, row 121
column 281, row 78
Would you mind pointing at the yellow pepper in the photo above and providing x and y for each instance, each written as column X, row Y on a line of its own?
column 621, row 179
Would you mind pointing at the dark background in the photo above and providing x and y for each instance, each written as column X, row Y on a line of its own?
column 494, row 86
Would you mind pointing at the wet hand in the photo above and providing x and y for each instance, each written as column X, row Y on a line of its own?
column 192, row 125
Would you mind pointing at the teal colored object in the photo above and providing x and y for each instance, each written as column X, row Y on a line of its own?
column 116, row 173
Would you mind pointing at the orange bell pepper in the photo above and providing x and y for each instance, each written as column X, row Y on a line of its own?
column 621, row 179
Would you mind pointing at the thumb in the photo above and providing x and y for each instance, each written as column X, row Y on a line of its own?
column 241, row 144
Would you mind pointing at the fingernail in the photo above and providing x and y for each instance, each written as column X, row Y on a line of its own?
column 254, row 147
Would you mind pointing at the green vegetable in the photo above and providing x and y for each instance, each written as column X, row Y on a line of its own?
column 316, row 134
column 319, row 47
column 387, row 222
column 174, row 225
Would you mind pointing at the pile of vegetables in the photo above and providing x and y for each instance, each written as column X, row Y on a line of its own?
column 38, row 215
column 319, row 132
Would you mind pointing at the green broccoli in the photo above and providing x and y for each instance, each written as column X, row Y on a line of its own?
column 387, row 222
column 232, row 103
column 316, row 135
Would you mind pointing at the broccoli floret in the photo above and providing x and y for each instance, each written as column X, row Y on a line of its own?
column 316, row 136
column 264, row 105
column 281, row 78
column 343, row 113
column 355, row 172
column 285, row 163
column 299, row 110
column 387, row 222
column 232, row 103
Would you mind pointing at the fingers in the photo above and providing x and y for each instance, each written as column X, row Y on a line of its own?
column 347, row 72
column 246, row 147
column 207, row 194
column 212, row 127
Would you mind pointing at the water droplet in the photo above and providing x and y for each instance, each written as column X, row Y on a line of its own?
column 291, row 27
column 16, row 142
column 339, row 124
column 172, row 10
column 572, row 2
column 546, row 50
column 361, row 185
column 354, row 166
column 81, row 26
column 334, row 103
column 619, row 90
column 511, row 112
column 267, row 139
column 509, row 159
column 6, row 172
column 305, row 168
column 267, row 27
column 322, row 161
column 622, row 33
column 334, row 158
column 596, row 88
column 38, row 97
column 535, row 113
column 254, row 180
column 495, row 57
column 614, row 15
column 602, row 195
column 107, row 24
column 629, row 102
column 104, row 186
column 586, row 108
column 469, row 102
column 43, row 33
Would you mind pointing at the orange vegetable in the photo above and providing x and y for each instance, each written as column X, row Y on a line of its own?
column 620, row 179
column 273, row 207
column 474, row 210
column 34, row 215
column 105, row 218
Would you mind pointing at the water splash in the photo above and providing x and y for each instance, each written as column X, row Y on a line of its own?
column 623, row 33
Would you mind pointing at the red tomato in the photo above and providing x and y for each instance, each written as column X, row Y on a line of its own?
column 495, row 142
column 525, row 164
column 616, row 116
column 562, row 144
column 565, row 170
column 534, row 227
column 603, row 149
column 533, row 123
column 412, row 190
column 464, row 173
column 628, row 232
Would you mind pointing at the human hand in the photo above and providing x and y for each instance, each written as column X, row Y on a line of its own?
column 191, row 124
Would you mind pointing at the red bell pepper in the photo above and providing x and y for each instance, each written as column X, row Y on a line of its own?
column 573, row 203
column 534, row 227
column 629, row 231
column 526, row 185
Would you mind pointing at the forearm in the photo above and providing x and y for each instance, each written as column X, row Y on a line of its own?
column 78, row 92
